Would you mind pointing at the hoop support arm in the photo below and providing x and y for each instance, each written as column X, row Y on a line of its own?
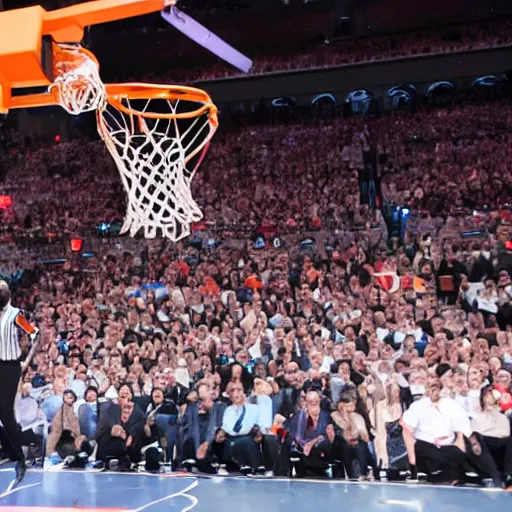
column 67, row 25
column 23, row 31
column 33, row 101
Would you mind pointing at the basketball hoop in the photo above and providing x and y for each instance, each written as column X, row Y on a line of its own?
column 153, row 133
column 77, row 87
column 158, row 136
column 154, row 145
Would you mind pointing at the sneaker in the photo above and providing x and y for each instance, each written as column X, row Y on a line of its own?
column 437, row 477
column 69, row 461
column 81, row 460
column 492, row 483
column 95, row 465
column 508, row 483
column 166, row 467
column 54, row 459
column 113, row 465
column 261, row 470
column 188, row 464
column 20, row 469
column 246, row 470
column 222, row 470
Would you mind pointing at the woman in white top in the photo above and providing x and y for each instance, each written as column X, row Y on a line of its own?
column 494, row 427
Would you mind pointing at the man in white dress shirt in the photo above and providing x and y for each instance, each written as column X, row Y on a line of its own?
column 438, row 437
column 245, row 423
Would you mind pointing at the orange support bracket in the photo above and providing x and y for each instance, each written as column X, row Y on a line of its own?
column 67, row 25
column 5, row 98
column 22, row 32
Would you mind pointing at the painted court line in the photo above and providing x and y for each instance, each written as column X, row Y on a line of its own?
column 277, row 479
column 418, row 505
column 10, row 490
column 183, row 492
column 59, row 509
column 193, row 500
column 411, row 486
column 110, row 473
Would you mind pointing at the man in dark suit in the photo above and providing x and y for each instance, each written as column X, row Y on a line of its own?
column 120, row 433
column 199, row 426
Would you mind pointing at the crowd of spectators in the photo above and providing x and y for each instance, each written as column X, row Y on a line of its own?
column 367, row 49
column 346, row 357
column 444, row 161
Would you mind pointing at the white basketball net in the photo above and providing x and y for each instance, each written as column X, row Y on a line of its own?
column 78, row 85
column 152, row 155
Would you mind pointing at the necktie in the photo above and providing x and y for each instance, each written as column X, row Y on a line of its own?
column 239, row 421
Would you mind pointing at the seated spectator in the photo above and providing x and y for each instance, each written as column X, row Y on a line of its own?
column 153, row 444
column 351, row 444
column 494, row 428
column 436, row 433
column 88, row 413
column 200, row 425
column 165, row 414
column 287, row 398
column 30, row 418
column 246, row 426
column 504, row 380
column 310, row 439
column 120, row 432
column 65, row 439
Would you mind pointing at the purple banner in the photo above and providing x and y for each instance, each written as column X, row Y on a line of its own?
column 207, row 39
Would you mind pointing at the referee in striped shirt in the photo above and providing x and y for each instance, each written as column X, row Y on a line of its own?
column 12, row 326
